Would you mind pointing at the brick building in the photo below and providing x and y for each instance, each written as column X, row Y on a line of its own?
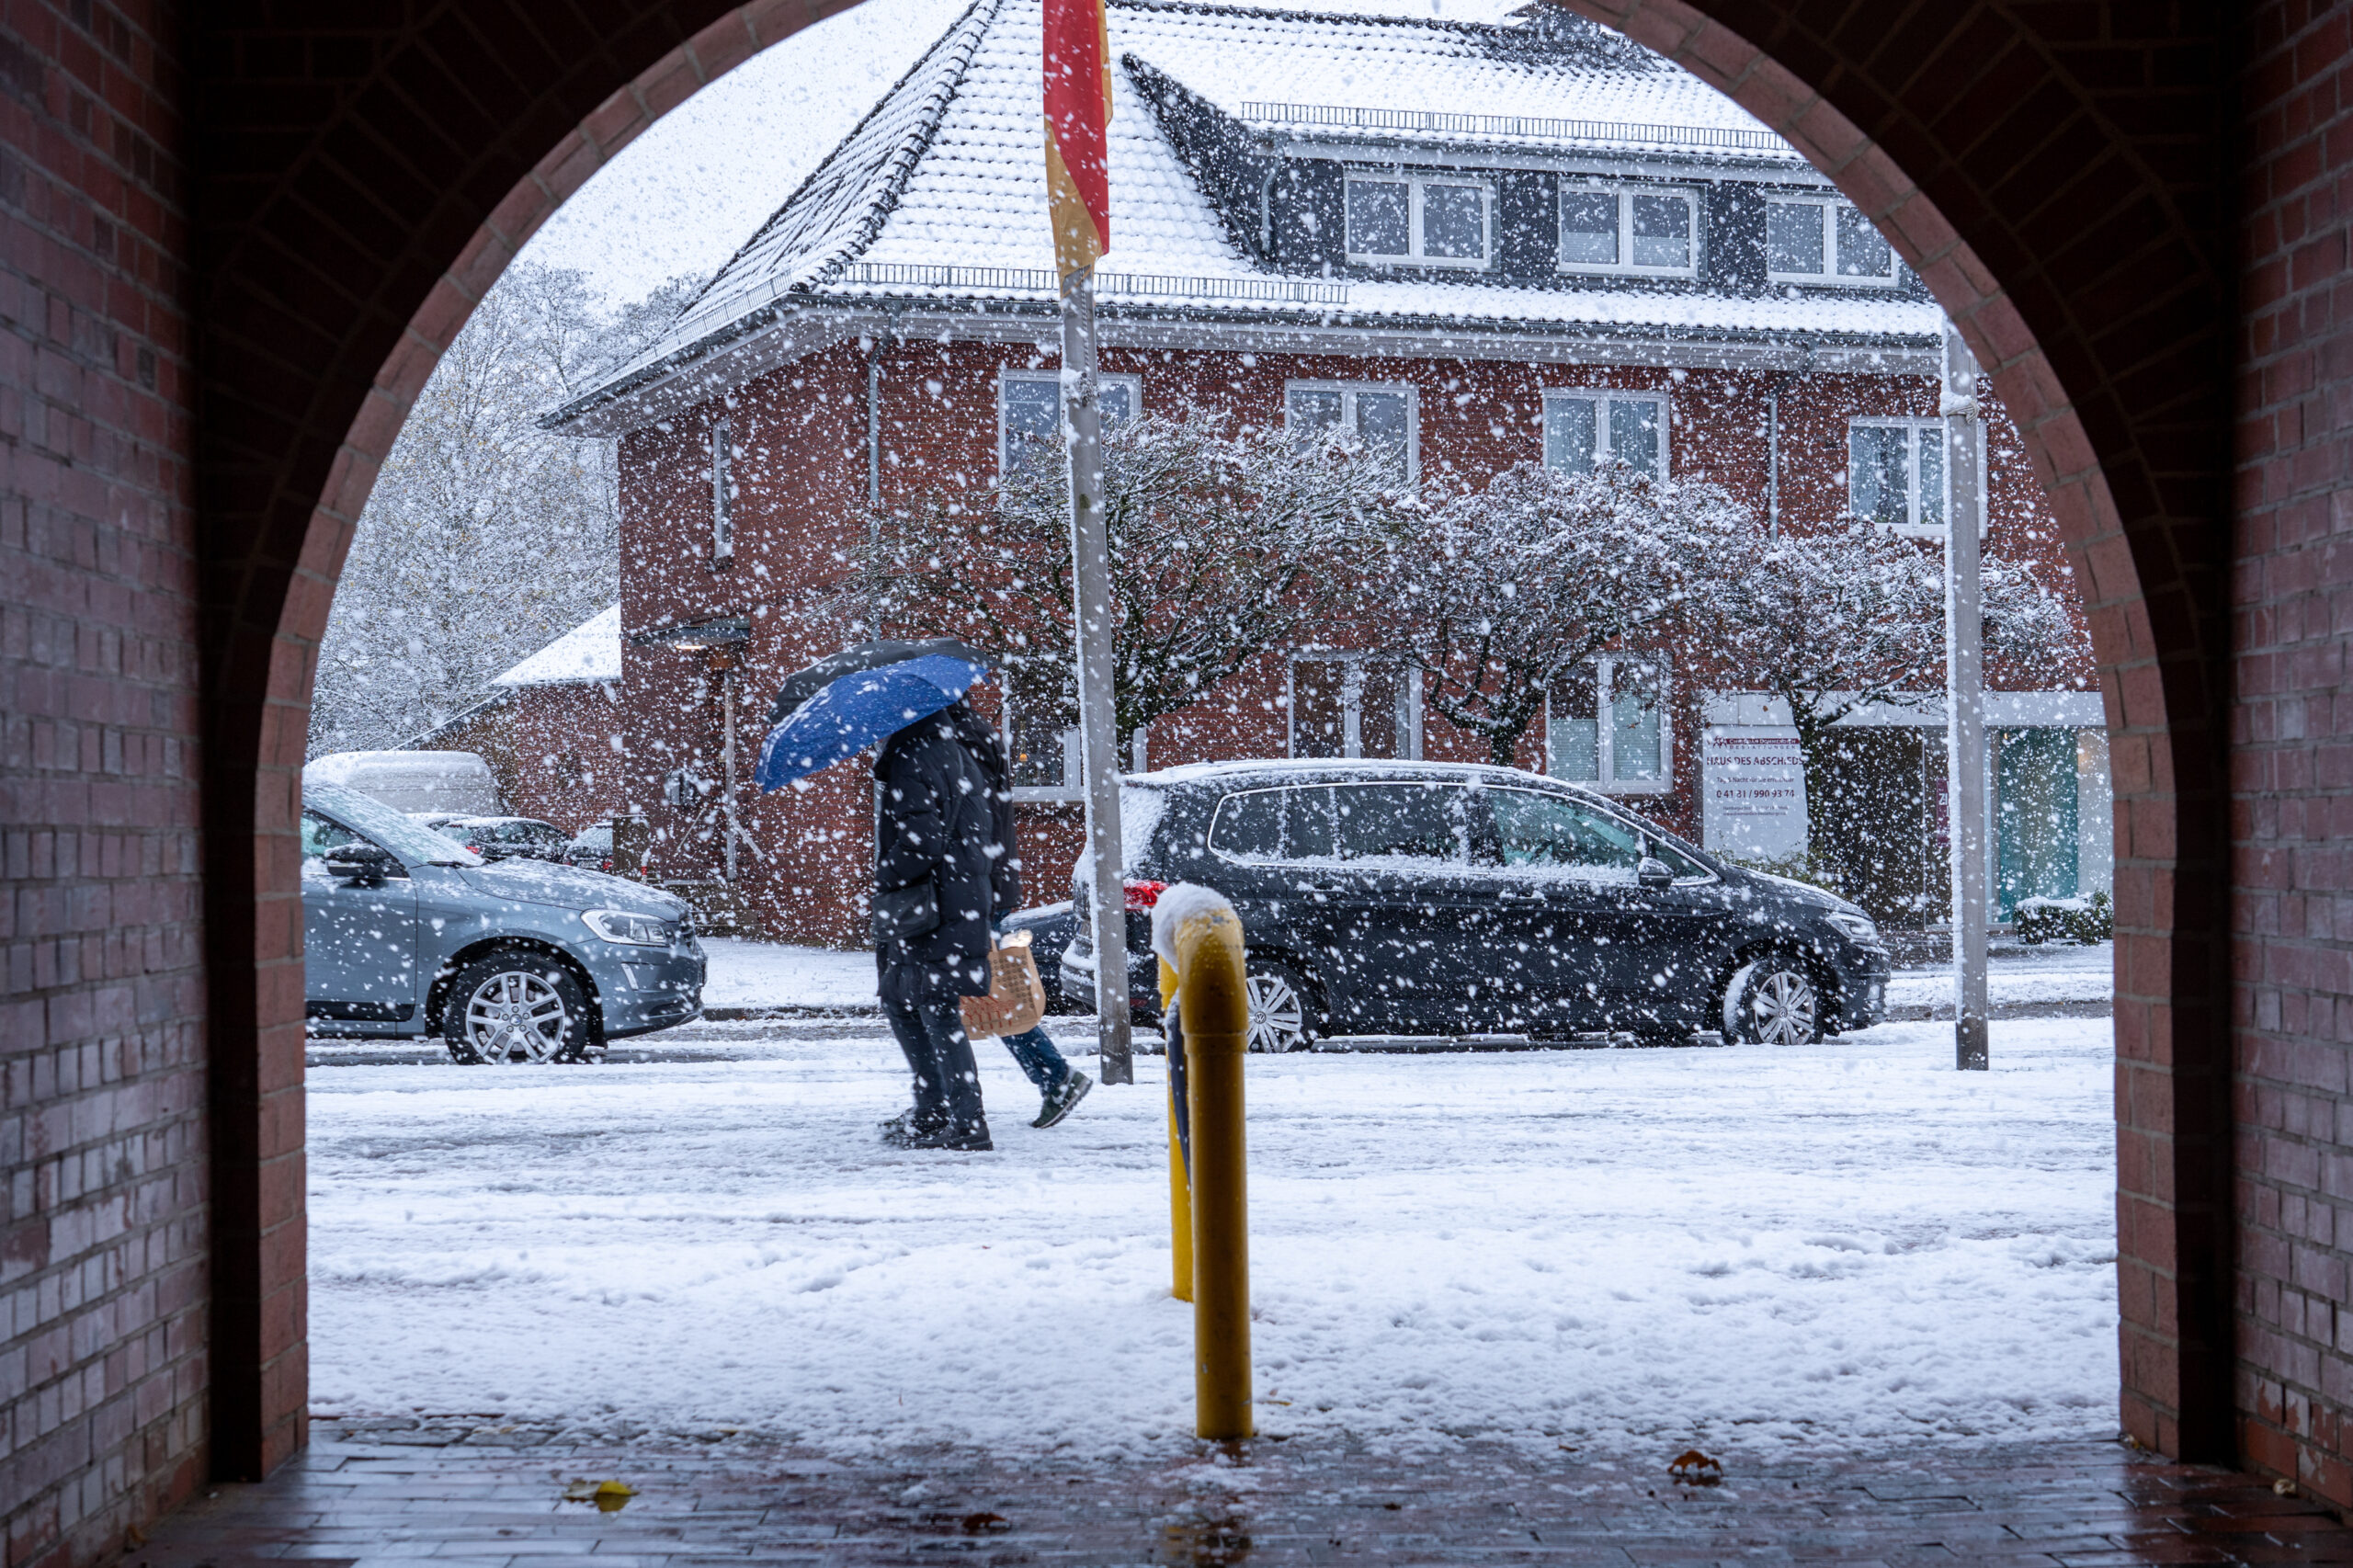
column 549, row 728
column 1659, row 278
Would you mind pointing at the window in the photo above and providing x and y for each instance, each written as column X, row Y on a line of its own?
column 1425, row 220
column 1275, row 825
column 1384, row 418
column 1629, row 229
column 1582, row 427
column 1042, row 730
column 1545, row 831
column 1424, row 824
column 1896, row 474
column 1029, row 413
column 1342, row 705
column 723, row 498
column 319, row 836
column 1605, row 725
column 1824, row 242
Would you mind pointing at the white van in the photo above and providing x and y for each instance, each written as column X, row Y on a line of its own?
column 455, row 781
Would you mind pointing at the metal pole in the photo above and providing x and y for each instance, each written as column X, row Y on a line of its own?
column 1964, row 701
column 1098, row 727
column 727, row 709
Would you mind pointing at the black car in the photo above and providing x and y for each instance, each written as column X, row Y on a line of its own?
column 1433, row 899
column 507, row 838
column 591, row 848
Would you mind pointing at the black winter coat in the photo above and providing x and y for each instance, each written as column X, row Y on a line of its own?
column 988, row 749
column 934, row 824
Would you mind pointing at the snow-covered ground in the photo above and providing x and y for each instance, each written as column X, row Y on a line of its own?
column 2018, row 976
column 776, row 974
column 1850, row 1244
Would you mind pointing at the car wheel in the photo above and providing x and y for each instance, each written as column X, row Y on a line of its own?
column 518, row 1007
column 1283, row 1014
column 1772, row 1000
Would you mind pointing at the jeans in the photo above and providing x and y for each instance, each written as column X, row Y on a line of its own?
column 1040, row 1062
column 931, row 1032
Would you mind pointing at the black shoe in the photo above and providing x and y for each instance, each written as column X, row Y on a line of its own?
column 1063, row 1098
column 970, row 1140
column 902, row 1131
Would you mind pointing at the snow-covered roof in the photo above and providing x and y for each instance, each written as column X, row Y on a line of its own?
column 589, row 651
column 940, row 194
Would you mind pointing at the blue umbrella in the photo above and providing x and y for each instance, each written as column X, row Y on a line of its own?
column 839, row 706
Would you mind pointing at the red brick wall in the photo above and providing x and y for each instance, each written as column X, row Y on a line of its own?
column 798, row 434
column 103, row 1282
column 2291, row 1000
column 555, row 751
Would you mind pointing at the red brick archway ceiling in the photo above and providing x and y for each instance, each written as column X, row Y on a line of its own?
column 362, row 185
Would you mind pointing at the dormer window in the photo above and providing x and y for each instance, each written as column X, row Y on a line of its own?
column 1645, row 229
column 1823, row 240
column 1420, row 221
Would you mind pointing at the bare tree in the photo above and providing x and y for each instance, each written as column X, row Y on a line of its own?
column 1225, row 542
column 1543, row 570
column 485, row 538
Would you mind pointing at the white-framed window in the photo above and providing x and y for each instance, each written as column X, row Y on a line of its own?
column 1582, row 427
column 1381, row 414
column 1605, row 724
column 1651, row 230
column 1040, row 720
column 1029, row 412
column 723, row 497
column 1825, row 240
column 1896, row 474
column 1354, row 705
column 1402, row 219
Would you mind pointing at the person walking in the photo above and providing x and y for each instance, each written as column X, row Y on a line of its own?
column 1060, row 1085
column 933, row 829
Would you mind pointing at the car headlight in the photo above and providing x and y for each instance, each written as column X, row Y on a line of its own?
column 1858, row 927
column 621, row 926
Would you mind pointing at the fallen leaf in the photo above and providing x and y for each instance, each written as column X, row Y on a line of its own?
column 2284, row 1487
column 1695, row 1469
column 985, row 1524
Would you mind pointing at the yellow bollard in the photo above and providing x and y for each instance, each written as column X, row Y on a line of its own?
column 1180, row 1193
column 1205, row 942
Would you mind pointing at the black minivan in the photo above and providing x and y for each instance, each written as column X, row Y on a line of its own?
column 1440, row 899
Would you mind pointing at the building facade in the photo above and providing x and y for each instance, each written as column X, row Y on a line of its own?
column 1663, row 283
column 550, row 729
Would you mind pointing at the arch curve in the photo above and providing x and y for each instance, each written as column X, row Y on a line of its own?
column 2062, row 196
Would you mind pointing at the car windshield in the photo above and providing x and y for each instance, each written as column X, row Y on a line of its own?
column 411, row 840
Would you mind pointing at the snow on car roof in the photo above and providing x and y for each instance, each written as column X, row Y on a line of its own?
column 589, row 651
column 940, row 193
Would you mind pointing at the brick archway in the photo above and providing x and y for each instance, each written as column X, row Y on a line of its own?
column 358, row 190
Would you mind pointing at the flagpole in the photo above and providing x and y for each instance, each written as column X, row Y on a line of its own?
column 1097, row 723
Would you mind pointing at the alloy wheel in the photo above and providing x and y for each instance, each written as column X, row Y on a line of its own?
column 1783, row 1006
column 516, row 1015
column 1278, row 1013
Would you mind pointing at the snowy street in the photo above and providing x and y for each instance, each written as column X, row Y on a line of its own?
column 1849, row 1246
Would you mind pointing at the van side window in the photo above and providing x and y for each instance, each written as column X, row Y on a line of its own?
column 1421, row 823
column 1275, row 825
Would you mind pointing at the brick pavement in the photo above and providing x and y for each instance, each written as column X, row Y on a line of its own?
column 369, row 1493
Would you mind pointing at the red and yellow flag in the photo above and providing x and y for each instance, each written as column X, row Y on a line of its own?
column 1078, row 128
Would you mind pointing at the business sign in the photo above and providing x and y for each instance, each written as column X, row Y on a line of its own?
column 1752, row 782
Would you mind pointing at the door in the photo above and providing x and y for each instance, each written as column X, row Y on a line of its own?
column 1621, row 956
column 1416, row 919
column 2035, row 816
column 360, row 962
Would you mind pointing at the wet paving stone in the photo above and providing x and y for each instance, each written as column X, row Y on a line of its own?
column 383, row 1492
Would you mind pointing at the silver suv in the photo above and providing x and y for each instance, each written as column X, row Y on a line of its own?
column 408, row 934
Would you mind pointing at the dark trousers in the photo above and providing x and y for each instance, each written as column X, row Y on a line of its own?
column 930, row 1031
column 1041, row 1064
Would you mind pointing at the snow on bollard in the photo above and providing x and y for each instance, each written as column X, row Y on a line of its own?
column 1199, row 939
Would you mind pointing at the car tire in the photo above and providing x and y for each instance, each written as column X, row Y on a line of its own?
column 1773, row 999
column 1284, row 1012
column 518, row 1005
